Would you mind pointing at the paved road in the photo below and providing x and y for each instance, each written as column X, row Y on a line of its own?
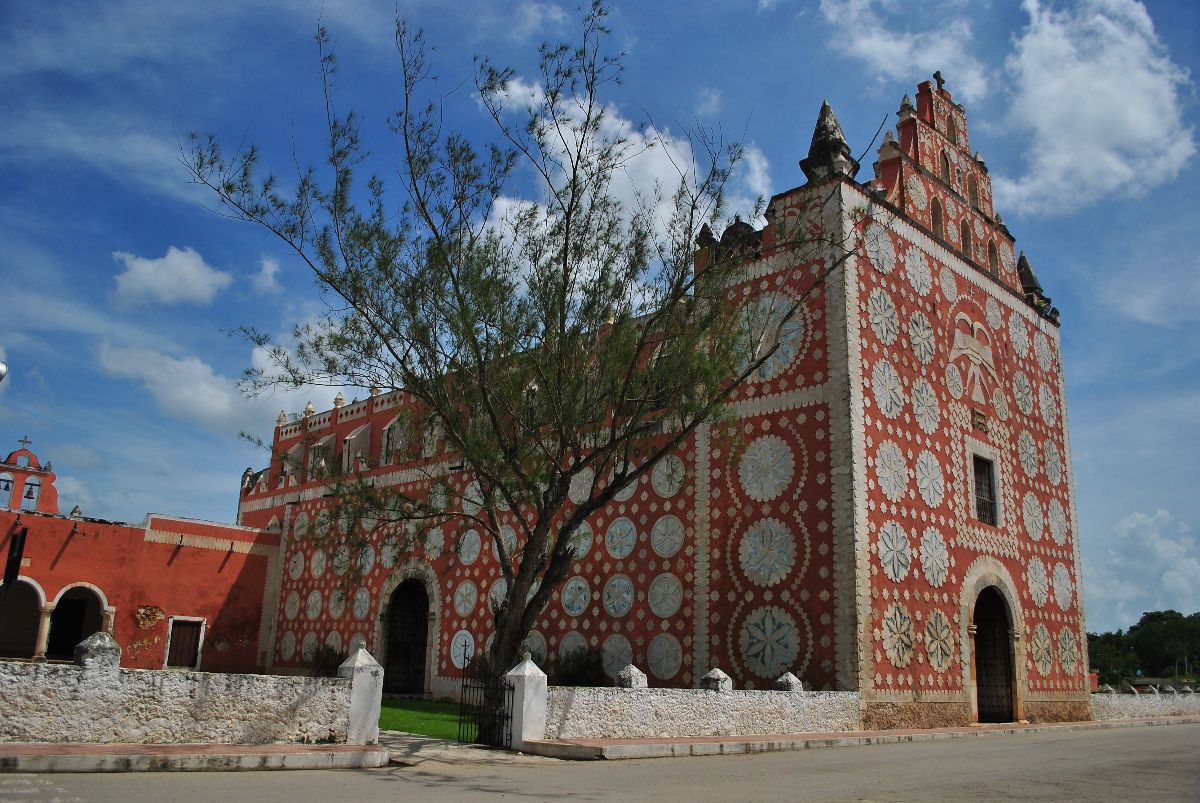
column 1154, row 763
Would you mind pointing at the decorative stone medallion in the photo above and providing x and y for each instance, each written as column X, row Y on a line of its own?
column 314, row 604
column 916, row 267
column 308, row 647
column 362, row 604
column 1023, row 393
column 667, row 476
column 469, row 547
column 1056, row 517
column 925, row 406
column 948, row 284
column 954, row 381
column 666, row 538
column 580, row 489
column 296, row 565
column 881, row 312
column 316, row 564
column 337, row 603
column 616, row 654
column 1068, row 651
column 1039, row 584
column 621, row 538
column 916, row 192
column 1031, row 514
column 1047, row 404
column 573, row 642
column 287, row 646
column 898, row 635
column 766, row 468
column 1019, row 335
column 664, row 656
column 895, row 557
column 765, row 323
column 890, row 471
column 1063, row 587
column 291, row 607
column 462, row 649
column 575, row 596
column 769, row 641
column 889, row 393
column 472, row 498
column 935, row 560
column 1041, row 650
column 1027, row 453
column 880, row 249
column 466, row 596
column 366, row 560
column 930, row 483
column 1053, row 463
column 920, row 334
column 509, row 536
column 1043, row 352
column 435, row 544
column 995, row 318
column 341, row 559
column 666, row 595
column 767, row 552
column 581, row 541
column 626, row 493
column 618, row 595
column 535, row 645
column 497, row 593
column 939, row 641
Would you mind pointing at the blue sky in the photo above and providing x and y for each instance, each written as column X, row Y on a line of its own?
column 119, row 286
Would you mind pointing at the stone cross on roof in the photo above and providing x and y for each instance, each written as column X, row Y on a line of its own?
column 25, row 442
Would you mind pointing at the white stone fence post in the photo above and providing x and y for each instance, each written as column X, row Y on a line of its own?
column 528, row 702
column 366, row 693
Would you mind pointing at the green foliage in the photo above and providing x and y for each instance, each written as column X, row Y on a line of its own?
column 1161, row 644
column 324, row 662
column 581, row 667
column 423, row 717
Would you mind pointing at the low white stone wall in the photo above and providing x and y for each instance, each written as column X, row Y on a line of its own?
column 599, row 713
column 1133, row 706
column 66, row 703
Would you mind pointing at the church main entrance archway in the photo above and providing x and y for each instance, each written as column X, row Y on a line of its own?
column 994, row 669
column 77, row 615
column 407, row 639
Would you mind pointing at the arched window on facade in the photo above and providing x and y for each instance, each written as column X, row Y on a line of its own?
column 965, row 230
column 993, row 261
column 973, row 192
column 355, row 449
column 938, row 231
column 945, row 163
column 951, row 130
column 320, row 455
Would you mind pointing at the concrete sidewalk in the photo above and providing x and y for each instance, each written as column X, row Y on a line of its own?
column 410, row 750
column 91, row 757
column 593, row 749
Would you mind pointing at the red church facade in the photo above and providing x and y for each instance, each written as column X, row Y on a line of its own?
column 892, row 510
column 173, row 592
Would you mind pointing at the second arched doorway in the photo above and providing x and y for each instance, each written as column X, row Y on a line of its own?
column 19, row 624
column 77, row 614
column 995, row 681
column 407, row 639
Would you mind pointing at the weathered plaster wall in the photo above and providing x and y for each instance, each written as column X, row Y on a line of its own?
column 629, row 713
column 1128, row 706
column 65, row 703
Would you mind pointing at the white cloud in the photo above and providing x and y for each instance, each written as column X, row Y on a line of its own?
column 181, row 276
column 184, row 388
column 531, row 19
column 73, row 491
column 1099, row 98
column 1151, row 563
column 264, row 281
column 708, row 101
column 872, row 32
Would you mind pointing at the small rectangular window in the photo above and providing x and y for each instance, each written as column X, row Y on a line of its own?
column 985, row 490
column 184, row 652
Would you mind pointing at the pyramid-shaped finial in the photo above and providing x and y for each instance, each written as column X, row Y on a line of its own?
column 1029, row 280
column 282, row 419
column 829, row 153
column 339, row 399
column 309, row 409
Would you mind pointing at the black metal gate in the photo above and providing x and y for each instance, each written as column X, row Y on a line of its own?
column 485, row 707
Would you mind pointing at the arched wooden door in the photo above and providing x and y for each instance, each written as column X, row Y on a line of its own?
column 995, row 683
column 407, row 639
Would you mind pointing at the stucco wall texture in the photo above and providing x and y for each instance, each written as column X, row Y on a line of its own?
column 63, row 703
column 1128, row 706
column 597, row 713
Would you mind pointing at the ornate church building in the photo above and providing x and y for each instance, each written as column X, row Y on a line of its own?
column 894, row 513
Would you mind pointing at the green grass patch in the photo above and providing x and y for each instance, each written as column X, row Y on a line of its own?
column 425, row 717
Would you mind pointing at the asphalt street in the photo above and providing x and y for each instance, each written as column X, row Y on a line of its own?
column 1143, row 763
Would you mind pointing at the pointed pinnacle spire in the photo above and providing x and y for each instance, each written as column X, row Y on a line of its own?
column 829, row 153
column 1029, row 280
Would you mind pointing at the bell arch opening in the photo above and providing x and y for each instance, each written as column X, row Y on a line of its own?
column 19, row 625
column 77, row 615
column 995, row 679
column 407, row 632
